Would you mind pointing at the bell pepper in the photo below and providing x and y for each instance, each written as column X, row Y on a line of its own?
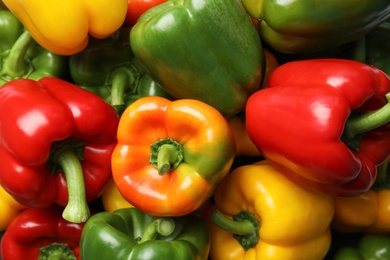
column 261, row 214
column 112, row 199
column 171, row 154
column 244, row 145
column 41, row 234
column 130, row 233
column 10, row 208
column 108, row 68
column 135, row 8
column 63, row 27
column 303, row 25
column 368, row 212
column 218, row 60
column 306, row 123
column 56, row 141
column 370, row 247
column 22, row 57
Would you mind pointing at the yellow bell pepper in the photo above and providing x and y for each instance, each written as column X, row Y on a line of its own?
column 9, row 208
column 368, row 212
column 270, row 216
column 112, row 199
column 62, row 27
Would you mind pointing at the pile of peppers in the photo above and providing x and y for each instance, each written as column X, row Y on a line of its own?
column 193, row 129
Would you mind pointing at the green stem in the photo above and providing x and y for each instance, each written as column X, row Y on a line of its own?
column 56, row 251
column 360, row 53
column 166, row 155
column 381, row 175
column 15, row 63
column 382, row 181
column 122, row 78
column 363, row 123
column 244, row 227
column 161, row 226
column 77, row 210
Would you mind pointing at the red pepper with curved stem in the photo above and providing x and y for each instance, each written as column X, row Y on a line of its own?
column 56, row 141
column 317, row 123
column 41, row 234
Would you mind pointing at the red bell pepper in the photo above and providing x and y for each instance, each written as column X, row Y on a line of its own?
column 41, row 233
column 56, row 141
column 135, row 8
column 317, row 123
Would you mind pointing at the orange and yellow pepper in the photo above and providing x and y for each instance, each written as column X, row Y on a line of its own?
column 368, row 212
column 63, row 27
column 171, row 154
column 261, row 214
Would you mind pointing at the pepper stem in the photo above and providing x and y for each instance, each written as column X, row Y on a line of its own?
column 359, row 53
column 244, row 226
column 15, row 64
column 166, row 155
column 122, row 78
column 56, row 251
column 77, row 210
column 161, row 226
column 382, row 180
column 360, row 124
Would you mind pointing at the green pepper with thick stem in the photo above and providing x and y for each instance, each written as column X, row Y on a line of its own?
column 370, row 247
column 130, row 233
column 108, row 68
column 22, row 57
column 204, row 50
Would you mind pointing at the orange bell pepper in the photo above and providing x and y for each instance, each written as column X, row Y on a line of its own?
column 171, row 154
column 368, row 212
column 62, row 27
column 244, row 145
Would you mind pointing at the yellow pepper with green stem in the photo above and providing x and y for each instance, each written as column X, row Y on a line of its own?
column 63, row 27
column 261, row 214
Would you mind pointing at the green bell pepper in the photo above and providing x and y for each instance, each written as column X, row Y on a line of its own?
column 205, row 50
column 108, row 68
column 370, row 247
column 129, row 233
column 22, row 57
column 296, row 26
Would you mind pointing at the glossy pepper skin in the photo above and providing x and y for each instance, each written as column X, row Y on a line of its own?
column 133, row 234
column 171, row 154
column 63, row 27
column 107, row 67
column 41, row 233
column 22, row 57
column 217, row 60
column 368, row 212
column 300, row 25
column 112, row 199
column 304, row 123
column 56, row 144
column 278, row 218
column 370, row 247
column 10, row 208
